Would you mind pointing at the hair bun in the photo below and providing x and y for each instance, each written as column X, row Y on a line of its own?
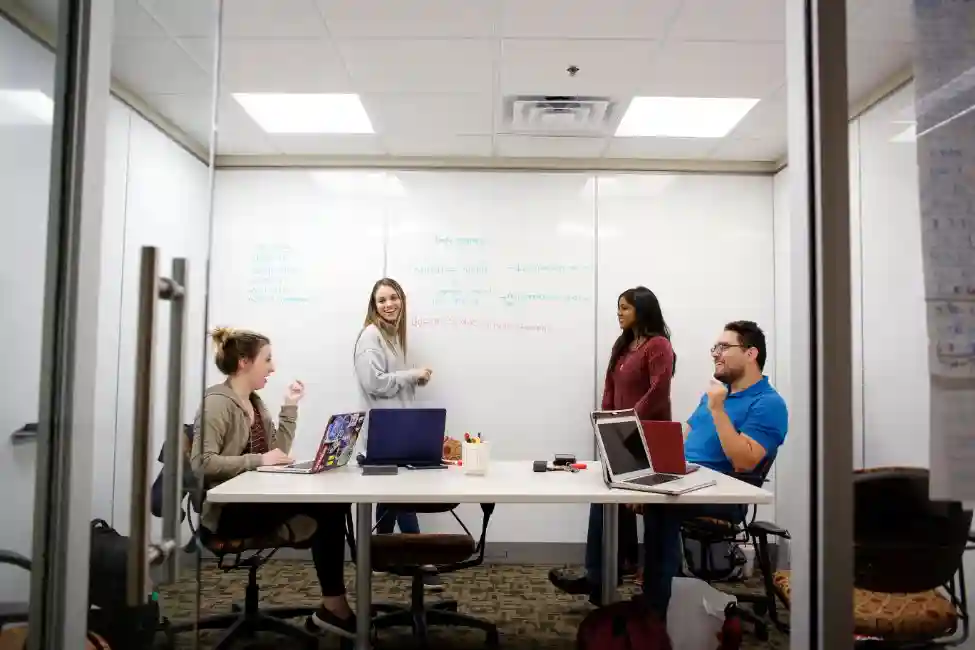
column 220, row 336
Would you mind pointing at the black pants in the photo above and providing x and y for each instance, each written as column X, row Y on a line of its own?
column 628, row 549
column 327, row 544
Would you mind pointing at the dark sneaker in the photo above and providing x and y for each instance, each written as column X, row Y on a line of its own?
column 328, row 622
column 571, row 584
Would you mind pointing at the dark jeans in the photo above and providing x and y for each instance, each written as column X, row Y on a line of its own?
column 327, row 544
column 387, row 520
column 661, row 542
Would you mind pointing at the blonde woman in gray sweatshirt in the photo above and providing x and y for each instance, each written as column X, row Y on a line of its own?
column 386, row 379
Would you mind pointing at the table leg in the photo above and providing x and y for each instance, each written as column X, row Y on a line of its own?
column 363, row 575
column 610, row 574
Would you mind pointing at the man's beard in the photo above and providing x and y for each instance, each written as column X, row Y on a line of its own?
column 727, row 376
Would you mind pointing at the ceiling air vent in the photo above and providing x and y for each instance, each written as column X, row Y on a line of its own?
column 558, row 115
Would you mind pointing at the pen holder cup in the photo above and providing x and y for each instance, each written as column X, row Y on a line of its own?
column 476, row 457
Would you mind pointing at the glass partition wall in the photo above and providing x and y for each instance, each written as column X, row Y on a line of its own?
column 350, row 136
column 105, row 117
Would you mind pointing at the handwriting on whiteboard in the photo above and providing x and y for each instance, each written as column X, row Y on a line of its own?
column 450, row 240
column 277, row 275
column 443, row 322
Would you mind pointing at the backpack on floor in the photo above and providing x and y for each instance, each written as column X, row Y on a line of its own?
column 626, row 625
column 722, row 561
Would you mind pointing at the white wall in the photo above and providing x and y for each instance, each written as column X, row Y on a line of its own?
column 166, row 206
column 148, row 180
column 329, row 239
column 25, row 149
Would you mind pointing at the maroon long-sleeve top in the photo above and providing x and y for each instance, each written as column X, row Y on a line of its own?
column 640, row 380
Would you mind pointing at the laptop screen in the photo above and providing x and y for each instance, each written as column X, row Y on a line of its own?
column 624, row 446
column 340, row 437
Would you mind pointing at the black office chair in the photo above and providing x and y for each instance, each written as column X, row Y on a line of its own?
column 909, row 575
column 709, row 532
column 249, row 618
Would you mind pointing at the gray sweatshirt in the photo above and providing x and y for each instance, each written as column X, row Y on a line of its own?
column 385, row 379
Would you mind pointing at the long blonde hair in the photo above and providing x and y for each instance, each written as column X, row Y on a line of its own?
column 393, row 334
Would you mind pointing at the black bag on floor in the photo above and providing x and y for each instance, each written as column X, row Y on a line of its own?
column 131, row 628
column 721, row 561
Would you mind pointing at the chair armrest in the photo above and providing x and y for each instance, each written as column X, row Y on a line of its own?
column 767, row 528
column 16, row 559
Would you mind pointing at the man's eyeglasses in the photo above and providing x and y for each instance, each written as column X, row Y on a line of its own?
column 721, row 348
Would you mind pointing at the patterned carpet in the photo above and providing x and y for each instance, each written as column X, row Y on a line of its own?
column 530, row 613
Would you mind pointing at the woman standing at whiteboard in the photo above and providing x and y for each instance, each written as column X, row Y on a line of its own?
column 386, row 379
column 638, row 377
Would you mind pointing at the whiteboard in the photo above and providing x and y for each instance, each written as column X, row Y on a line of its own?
column 501, row 272
column 294, row 258
column 498, row 271
column 704, row 245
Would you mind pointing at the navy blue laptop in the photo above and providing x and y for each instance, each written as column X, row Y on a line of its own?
column 406, row 437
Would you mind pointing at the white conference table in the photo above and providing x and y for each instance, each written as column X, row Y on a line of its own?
column 505, row 482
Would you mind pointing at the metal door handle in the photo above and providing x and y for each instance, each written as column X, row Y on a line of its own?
column 138, row 567
column 142, row 552
column 174, row 290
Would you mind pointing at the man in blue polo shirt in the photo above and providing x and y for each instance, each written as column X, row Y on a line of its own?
column 740, row 421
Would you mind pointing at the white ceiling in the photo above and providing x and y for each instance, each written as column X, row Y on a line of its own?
column 432, row 74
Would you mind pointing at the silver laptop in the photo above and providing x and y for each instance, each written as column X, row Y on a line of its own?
column 626, row 459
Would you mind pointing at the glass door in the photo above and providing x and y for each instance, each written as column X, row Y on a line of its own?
column 105, row 127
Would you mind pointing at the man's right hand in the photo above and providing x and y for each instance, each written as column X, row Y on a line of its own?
column 276, row 457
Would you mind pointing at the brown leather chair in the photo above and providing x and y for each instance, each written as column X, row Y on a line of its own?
column 411, row 555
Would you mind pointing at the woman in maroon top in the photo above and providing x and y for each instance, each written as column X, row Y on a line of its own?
column 638, row 377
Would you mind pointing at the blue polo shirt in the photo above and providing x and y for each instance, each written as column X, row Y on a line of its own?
column 758, row 411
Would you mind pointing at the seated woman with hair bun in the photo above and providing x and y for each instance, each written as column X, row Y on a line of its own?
column 234, row 433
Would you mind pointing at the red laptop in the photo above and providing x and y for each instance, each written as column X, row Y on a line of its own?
column 665, row 440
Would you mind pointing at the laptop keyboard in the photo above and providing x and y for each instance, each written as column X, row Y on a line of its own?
column 308, row 464
column 655, row 479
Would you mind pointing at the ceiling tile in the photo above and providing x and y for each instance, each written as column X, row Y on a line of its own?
column 328, row 145
column 446, row 114
column 660, row 148
column 420, row 66
column 201, row 49
column 185, row 18
column 605, row 67
column 190, row 112
column 271, row 19
column 414, row 19
column 767, row 120
column 528, row 146
column 873, row 20
column 559, row 19
column 700, row 69
column 750, row 149
column 238, row 133
column 461, row 145
column 722, row 20
column 871, row 64
column 301, row 66
column 131, row 20
column 157, row 65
